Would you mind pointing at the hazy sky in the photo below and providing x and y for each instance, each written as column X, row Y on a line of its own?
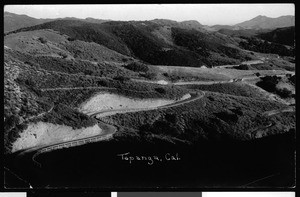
column 206, row 14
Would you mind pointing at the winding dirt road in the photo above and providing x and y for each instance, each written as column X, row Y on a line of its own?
column 108, row 130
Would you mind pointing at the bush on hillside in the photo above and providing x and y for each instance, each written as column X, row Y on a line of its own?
column 242, row 67
column 284, row 93
column 268, row 83
column 42, row 40
column 71, row 39
column 137, row 67
column 160, row 90
column 292, row 79
column 121, row 78
column 149, row 75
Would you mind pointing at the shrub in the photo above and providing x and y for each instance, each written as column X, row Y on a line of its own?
column 227, row 116
column 269, row 83
column 160, row 90
column 63, row 55
column 149, row 75
column 172, row 118
column 88, row 72
column 166, row 74
column 124, row 59
column 121, row 78
column 71, row 39
column 30, row 83
column 42, row 40
column 12, row 121
column 292, row 79
column 284, row 93
column 102, row 83
column 242, row 67
column 137, row 67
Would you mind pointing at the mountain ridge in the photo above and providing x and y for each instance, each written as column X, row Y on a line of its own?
column 258, row 22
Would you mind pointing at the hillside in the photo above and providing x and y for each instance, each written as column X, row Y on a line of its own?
column 137, row 39
column 264, row 22
column 259, row 23
column 80, row 92
column 242, row 32
column 14, row 21
column 284, row 36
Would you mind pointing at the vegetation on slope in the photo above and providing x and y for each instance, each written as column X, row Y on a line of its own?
column 27, row 94
column 136, row 40
column 269, row 83
column 258, row 45
column 81, row 67
column 236, row 89
column 215, row 117
column 285, row 36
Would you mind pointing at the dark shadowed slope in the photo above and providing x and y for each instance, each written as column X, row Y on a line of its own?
column 284, row 36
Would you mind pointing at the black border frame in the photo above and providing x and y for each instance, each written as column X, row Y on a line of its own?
column 11, row 2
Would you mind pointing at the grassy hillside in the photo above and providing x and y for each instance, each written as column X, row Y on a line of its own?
column 52, row 43
column 14, row 21
column 204, row 45
column 214, row 117
column 27, row 95
column 237, row 89
column 141, row 40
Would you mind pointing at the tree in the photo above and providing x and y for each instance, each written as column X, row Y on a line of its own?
column 284, row 93
column 137, row 67
column 160, row 90
column 121, row 78
column 42, row 40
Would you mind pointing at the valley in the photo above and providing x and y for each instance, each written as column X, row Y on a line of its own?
column 84, row 89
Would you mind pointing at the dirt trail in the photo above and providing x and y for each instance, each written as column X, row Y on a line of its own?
column 278, row 111
column 260, row 131
column 245, row 62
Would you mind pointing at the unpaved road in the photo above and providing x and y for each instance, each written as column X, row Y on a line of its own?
column 258, row 131
column 109, row 130
column 278, row 111
column 246, row 62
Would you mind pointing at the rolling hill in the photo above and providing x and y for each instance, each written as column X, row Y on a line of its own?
column 14, row 21
column 285, row 35
column 140, row 40
column 260, row 22
column 264, row 22
column 147, row 86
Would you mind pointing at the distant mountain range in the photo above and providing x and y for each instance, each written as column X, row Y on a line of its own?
column 14, row 21
column 261, row 22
